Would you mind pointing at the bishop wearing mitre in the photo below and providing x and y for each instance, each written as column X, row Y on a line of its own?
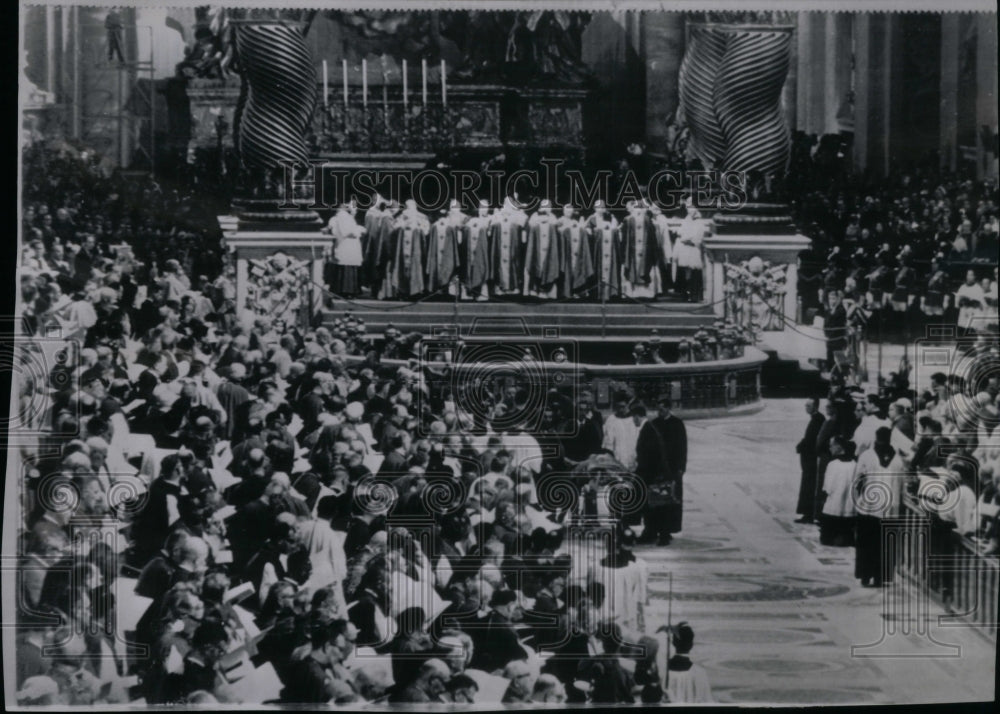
column 543, row 262
column 661, row 227
column 409, row 238
column 507, row 232
column 374, row 243
column 641, row 253
column 442, row 250
column 606, row 238
column 576, row 250
column 475, row 257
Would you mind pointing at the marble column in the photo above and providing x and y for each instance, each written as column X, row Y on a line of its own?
column 811, row 74
column 663, row 50
column 837, row 68
column 950, row 35
column 874, row 49
column 77, row 62
column 986, row 98
column 50, row 49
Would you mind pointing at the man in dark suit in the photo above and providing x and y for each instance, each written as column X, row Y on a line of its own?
column 496, row 642
column 396, row 462
column 612, row 683
column 85, row 260
column 661, row 457
column 834, row 327
column 806, row 449
column 586, row 434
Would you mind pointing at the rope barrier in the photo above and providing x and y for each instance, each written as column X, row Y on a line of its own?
column 387, row 308
column 652, row 305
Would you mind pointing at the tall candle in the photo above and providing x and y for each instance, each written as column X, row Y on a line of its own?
column 405, row 99
column 326, row 84
column 364, row 83
column 444, row 86
column 344, row 65
column 423, row 71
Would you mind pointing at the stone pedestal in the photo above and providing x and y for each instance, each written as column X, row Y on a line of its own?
column 763, row 231
column 279, row 273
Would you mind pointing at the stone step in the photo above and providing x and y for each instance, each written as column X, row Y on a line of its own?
column 672, row 320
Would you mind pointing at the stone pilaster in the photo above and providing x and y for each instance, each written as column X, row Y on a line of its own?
column 811, row 89
column 950, row 35
column 663, row 50
column 986, row 98
column 874, row 49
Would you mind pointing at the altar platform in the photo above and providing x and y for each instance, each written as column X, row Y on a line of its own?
column 581, row 346
column 614, row 321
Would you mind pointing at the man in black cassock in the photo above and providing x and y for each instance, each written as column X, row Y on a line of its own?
column 807, row 458
column 661, row 456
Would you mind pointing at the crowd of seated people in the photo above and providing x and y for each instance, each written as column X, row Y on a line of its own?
column 221, row 508
column 917, row 247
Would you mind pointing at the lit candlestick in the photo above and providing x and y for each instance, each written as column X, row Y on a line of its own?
column 364, row 83
column 344, row 65
column 405, row 98
column 423, row 71
column 444, row 86
column 326, row 85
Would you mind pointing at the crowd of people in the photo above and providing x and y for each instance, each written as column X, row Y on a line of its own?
column 222, row 508
column 502, row 252
column 219, row 508
column 869, row 457
column 913, row 249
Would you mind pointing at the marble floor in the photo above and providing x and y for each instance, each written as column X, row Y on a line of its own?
column 779, row 618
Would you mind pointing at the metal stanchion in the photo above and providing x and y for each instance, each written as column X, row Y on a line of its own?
column 604, row 312
column 880, row 347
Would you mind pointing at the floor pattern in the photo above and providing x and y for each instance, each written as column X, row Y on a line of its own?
column 779, row 618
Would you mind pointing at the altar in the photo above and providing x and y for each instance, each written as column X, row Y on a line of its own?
column 472, row 119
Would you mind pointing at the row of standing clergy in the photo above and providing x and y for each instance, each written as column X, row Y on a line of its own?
column 505, row 252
